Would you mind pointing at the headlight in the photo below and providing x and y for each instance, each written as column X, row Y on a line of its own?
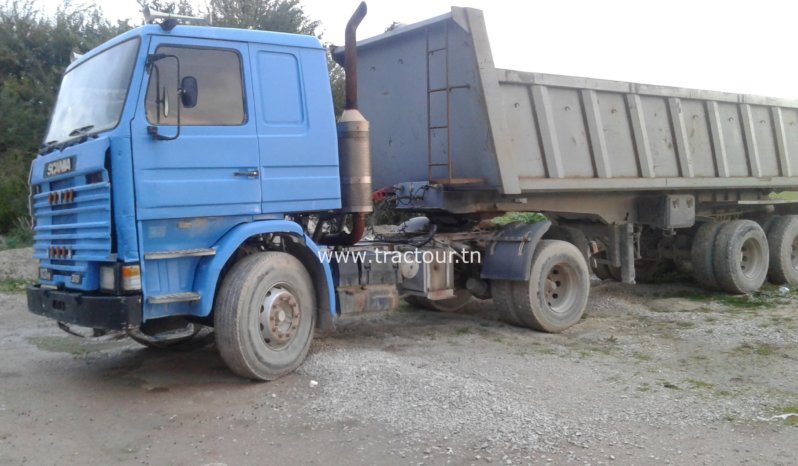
column 108, row 277
column 117, row 277
column 45, row 274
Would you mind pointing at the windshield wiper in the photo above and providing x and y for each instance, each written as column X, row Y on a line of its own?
column 79, row 131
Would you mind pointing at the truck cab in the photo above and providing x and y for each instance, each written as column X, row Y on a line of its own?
column 170, row 147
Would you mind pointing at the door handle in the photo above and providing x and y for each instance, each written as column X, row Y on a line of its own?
column 247, row 173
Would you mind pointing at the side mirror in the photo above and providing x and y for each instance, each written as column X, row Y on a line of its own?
column 188, row 92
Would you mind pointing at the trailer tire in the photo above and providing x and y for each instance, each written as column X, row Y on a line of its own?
column 456, row 303
column 556, row 294
column 265, row 315
column 741, row 257
column 783, row 244
column 702, row 254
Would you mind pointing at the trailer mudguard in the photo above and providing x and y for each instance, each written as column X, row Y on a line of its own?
column 211, row 267
column 508, row 256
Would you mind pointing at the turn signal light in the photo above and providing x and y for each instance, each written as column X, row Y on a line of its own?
column 131, row 277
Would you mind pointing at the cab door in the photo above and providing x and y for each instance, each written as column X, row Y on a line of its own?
column 210, row 168
column 296, row 129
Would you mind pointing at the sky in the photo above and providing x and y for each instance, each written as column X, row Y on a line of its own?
column 733, row 46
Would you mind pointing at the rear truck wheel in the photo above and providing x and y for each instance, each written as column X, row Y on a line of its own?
column 264, row 316
column 783, row 244
column 556, row 294
column 702, row 255
column 457, row 302
column 741, row 257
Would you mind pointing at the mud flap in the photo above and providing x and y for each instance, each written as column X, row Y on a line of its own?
column 508, row 255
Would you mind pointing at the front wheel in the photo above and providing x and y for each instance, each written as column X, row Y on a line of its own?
column 264, row 315
column 556, row 294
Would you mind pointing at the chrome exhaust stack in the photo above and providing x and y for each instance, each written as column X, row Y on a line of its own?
column 354, row 152
column 353, row 132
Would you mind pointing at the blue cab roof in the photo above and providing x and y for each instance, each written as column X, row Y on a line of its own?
column 207, row 32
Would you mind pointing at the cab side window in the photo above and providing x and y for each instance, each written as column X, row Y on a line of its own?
column 220, row 88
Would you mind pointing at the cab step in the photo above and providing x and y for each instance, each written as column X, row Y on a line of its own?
column 174, row 298
column 178, row 253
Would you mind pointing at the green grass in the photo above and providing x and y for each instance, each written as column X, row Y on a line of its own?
column 525, row 217
column 792, row 420
column 700, row 384
column 768, row 296
column 759, row 349
column 13, row 286
column 641, row 356
column 786, row 195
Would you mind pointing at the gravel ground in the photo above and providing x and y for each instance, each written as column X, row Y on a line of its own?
column 15, row 264
column 653, row 375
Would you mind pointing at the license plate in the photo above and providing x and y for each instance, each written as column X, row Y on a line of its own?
column 59, row 167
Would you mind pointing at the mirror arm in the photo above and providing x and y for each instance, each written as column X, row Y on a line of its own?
column 152, row 130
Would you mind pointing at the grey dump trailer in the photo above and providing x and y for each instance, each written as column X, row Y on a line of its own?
column 640, row 178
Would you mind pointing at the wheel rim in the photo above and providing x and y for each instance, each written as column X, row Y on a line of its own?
column 279, row 317
column 751, row 258
column 560, row 287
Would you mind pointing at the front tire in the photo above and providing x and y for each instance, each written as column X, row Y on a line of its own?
column 556, row 294
column 264, row 316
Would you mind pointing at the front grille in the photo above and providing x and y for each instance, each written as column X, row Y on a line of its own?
column 72, row 232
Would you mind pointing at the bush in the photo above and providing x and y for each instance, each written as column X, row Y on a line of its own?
column 525, row 217
column 20, row 235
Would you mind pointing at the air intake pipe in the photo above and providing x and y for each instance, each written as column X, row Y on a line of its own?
column 353, row 145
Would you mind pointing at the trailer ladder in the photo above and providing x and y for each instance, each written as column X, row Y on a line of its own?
column 431, row 127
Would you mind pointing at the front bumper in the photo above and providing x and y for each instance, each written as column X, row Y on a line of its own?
column 94, row 311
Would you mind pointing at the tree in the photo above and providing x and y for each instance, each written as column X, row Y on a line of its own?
column 34, row 51
column 264, row 15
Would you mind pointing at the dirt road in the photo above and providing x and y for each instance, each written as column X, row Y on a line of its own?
column 654, row 374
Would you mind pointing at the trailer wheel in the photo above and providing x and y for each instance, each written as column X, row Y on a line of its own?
column 702, row 254
column 457, row 302
column 556, row 294
column 783, row 244
column 741, row 257
column 264, row 315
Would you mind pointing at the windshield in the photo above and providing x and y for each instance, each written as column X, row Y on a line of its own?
column 92, row 94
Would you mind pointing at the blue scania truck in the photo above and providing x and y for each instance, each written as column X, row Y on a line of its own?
column 195, row 177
